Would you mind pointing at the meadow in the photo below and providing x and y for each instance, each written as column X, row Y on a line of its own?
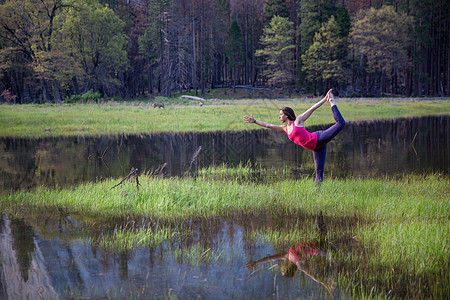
column 138, row 117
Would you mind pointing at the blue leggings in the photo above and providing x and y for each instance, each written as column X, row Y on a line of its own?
column 323, row 137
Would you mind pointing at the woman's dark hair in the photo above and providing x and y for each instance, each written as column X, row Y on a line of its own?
column 289, row 112
column 288, row 269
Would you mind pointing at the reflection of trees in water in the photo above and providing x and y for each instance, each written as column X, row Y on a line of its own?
column 362, row 149
column 23, row 244
column 23, row 274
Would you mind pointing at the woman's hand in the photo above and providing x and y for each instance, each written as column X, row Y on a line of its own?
column 250, row 265
column 250, row 119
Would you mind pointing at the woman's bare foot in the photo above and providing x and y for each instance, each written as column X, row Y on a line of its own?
column 331, row 99
column 327, row 96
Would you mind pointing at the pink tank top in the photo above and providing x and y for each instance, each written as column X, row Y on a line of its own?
column 302, row 137
column 301, row 250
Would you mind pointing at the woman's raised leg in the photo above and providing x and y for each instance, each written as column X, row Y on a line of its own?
column 324, row 136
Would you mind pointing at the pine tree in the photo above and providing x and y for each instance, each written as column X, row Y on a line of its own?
column 323, row 62
column 278, row 52
column 313, row 13
column 275, row 8
column 234, row 49
column 151, row 44
column 343, row 20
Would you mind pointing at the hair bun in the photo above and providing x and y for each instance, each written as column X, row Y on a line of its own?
column 289, row 112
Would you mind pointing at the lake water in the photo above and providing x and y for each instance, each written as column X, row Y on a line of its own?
column 50, row 254
column 362, row 149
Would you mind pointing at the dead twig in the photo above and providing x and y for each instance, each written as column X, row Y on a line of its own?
column 412, row 143
column 104, row 152
column 120, row 146
column 414, row 138
column 134, row 172
column 194, row 157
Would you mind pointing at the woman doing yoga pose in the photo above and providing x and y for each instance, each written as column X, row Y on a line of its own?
column 315, row 141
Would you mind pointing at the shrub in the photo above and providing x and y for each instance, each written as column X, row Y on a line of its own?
column 88, row 96
column 7, row 96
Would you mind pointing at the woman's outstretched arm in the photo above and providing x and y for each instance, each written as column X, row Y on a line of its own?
column 279, row 256
column 251, row 119
column 304, row 116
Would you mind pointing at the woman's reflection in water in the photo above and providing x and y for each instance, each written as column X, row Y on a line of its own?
column 300, row 257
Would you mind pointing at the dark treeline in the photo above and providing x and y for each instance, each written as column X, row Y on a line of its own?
column 54, row 49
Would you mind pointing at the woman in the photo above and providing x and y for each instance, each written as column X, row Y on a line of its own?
column 316, row 141
column 297, row 253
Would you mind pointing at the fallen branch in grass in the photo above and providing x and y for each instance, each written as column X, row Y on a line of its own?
column 194, row 157
column 134, row 172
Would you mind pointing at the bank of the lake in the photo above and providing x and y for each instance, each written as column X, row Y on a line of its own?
column 139, row 117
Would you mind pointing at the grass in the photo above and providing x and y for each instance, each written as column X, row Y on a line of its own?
column 208, row 195
column 139, row 118
column 124, row 240
column 197, row 255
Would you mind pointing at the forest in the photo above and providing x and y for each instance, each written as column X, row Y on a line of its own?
column 55, row 50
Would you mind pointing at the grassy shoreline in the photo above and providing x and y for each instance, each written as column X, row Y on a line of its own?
column 177, row 198
column 139, row 118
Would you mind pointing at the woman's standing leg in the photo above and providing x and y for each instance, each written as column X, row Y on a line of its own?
column 323, row 137
column 319, row 161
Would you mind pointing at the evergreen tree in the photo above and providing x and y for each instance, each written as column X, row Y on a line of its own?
column 151, row 44
column 275, row 8
column 430, row 72
column 234, row 48
column 313, row 13
column 343, row 20
column 323, row 62
column 278, row 52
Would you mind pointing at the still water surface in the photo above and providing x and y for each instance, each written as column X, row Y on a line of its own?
column 50, row 254
column 363, row 149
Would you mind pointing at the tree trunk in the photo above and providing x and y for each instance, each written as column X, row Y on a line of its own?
column 75, row 85
column 45, row 93
column 201, row 49
column 194, row 56
column 358, row 73
column 448, row 57
column 56, row 91
column 150, row 78
column 246, row 50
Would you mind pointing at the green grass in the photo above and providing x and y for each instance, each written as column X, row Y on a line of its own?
column 197, row 255
column 139, row 118
column 413, row 197
column 124, row 240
